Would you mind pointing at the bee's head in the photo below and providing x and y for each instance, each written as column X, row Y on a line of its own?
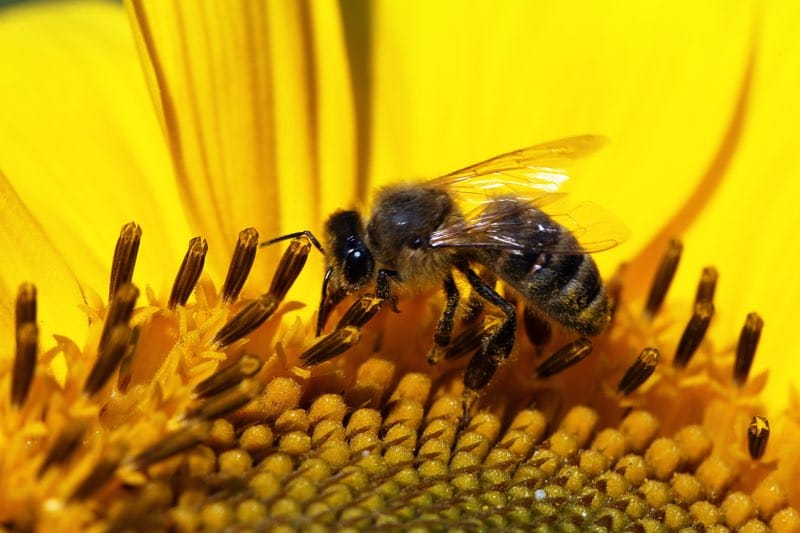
column 348, row 255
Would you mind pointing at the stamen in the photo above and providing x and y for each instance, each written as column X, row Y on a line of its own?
column 248, row 319
column 189, row 272
column 173, row 443
column 24, row 363
column 108, row 358
column 746, row 349
column 707, row 285
column 757, row 436
column 564, row 358
column 227, row 401
column 119, row 311
column 26, row 304
column 290, row 266
column 229, row 376
column 663, row 278
column 614, row 290
column 242, row 261
column 124, row 257
column 537, row 328
column 63, row 446
column 694, row 333
column 99, row 476
column 328, row 347
column 360, row 312
column 254, row 314
column 640, row 371
column 466, row 342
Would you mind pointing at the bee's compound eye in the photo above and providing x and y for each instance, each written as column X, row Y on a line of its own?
column 358, row 264
column 417, row 243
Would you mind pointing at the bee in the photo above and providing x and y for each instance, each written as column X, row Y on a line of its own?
column 503, row 217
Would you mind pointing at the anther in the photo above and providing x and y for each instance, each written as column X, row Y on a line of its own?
column 189, row 272
column 173, row 443
column 124, row 260
column 63, row 446
column 243, row 256
column 663, row 278
column 564, row 358
column 614, row 290
column 109, row 356
column 694, row 333
column 537, row 328
column 229, row 376
column 119, row 311
column 746, row 349
column 330, row 346
column 248, row 319
column 757, row 436
column 226, row 401
column 99, row 476
column 360, row 312
column 290, row 266
column 27, row 337
column 707, row 285
column 258, row 311
column 640, row 371
column 24, row 363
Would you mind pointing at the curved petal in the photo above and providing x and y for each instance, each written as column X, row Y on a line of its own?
column 454, row 84
column 80, row 146
column 748, row 228
column 255, row 102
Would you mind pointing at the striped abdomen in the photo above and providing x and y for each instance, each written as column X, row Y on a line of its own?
column 564, row 287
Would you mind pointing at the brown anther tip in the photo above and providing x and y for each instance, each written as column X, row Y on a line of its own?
column 694, row 333
column 757, row 436
column 707, row 285
column 564, row 358
column 63, row 446
column 171, row 444
column 330, row 346
column 242, row 261
column 469, row 339
column 226, row 401
column 746, row 349
column 24, row 362
column 360, row 312
column 663, row 278
column 109, row 356
column 189, row 272
column 26, row 304
column 247, row 320
column 228, row 377
column 125, row 253
column 290, row 266
column 119, row 311
column 640, row 371
column 537, row 327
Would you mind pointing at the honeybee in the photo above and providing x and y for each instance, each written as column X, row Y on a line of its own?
column 504, row 216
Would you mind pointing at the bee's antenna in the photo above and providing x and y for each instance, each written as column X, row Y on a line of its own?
column 296, row 234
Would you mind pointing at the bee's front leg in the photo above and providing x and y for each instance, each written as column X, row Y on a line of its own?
column 383, row 288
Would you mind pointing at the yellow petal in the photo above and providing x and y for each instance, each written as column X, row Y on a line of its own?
column 748, row 227
column 454, row 84
column 82, row 149
column 255, row 102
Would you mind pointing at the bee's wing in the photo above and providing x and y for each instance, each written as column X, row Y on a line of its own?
column 508, row 223
column 533, row 172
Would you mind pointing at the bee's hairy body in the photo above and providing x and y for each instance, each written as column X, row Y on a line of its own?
column 565, row 288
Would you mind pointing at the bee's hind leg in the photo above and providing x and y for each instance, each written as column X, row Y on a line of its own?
column 497, row 346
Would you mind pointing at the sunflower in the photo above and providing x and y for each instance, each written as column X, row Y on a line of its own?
column 161, row 385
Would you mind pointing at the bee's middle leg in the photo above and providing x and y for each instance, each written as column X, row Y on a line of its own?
column 497, row 346
column 442, row 338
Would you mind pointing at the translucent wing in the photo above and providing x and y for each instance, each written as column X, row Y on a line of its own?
column 533, row 172
column 508, row 223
